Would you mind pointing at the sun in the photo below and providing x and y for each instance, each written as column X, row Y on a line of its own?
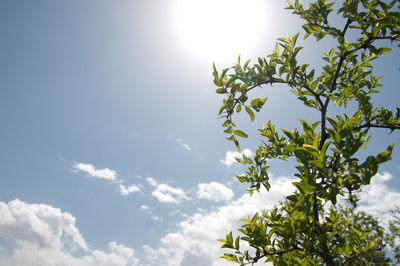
column 219, row 29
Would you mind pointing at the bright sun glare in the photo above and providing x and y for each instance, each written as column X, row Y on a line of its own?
column 220, row 29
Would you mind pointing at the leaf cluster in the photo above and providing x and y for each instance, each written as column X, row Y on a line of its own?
column 282, row 236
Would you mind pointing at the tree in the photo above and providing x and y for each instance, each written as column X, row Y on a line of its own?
column 326, row 151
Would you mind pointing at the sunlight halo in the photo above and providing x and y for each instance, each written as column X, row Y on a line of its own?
column 219, row 29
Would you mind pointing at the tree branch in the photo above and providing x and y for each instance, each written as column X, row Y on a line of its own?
column 279, row 253
column 332, row 87
column 369, row 125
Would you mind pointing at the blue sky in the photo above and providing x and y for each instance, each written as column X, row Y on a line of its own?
column 111, row 151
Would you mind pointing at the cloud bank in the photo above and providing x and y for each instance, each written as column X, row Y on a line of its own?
column 41, row 235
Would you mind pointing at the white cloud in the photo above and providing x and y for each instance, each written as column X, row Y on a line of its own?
column 38, row 223
column 120, row 249
column 167, row 194
column 108, row 174
column 379, row 199
column 231, row 155
column 214, row 191
column 43, row 235
column 89, row 169
column 125, row 191
column 151, row 181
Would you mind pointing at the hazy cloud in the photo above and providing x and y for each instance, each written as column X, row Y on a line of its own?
column 144, row 207
column 148, row 210
column 184, row 145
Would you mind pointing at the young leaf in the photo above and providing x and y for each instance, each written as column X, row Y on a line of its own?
column 250, row 112
column 240, row 133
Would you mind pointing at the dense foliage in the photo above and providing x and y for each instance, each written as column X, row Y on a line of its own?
column 302, row 230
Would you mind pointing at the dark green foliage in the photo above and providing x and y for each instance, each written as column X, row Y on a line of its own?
column 394, row 235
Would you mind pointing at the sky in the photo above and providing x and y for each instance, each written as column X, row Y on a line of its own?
column 110, row 147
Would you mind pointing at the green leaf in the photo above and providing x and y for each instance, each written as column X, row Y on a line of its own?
column 221, row 90
column 290, row 148
column 294, row 38
column 240, row 133
column 229, row 130
column 230, row 257
column 229, row 238
column 215, row 72
column 258, row 103
column 224, row 73
column 304, row 188
column 237, row 243
column 384, row 50
column 250, row 112
column 246, row 64
column 226, row 123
